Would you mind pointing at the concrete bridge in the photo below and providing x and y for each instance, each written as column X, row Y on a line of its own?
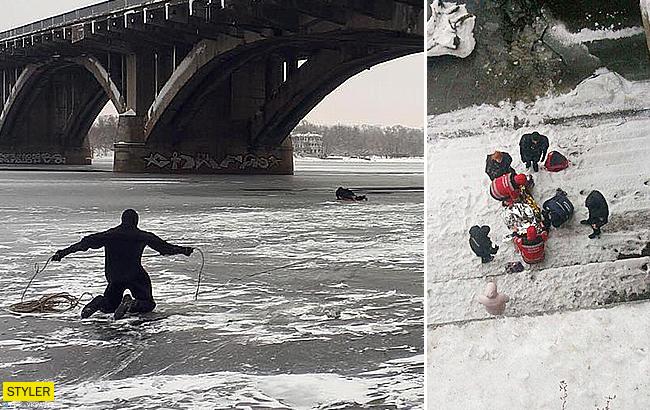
column 201, row 86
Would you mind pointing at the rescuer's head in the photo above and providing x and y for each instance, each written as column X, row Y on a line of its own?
column 130, row 218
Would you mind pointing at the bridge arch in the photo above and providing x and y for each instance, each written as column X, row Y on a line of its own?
column 53, row 104
column 267, row 92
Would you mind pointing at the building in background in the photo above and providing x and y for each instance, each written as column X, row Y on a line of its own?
column 308, row 144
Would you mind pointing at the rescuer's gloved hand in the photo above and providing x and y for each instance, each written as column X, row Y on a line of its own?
column 58, row 256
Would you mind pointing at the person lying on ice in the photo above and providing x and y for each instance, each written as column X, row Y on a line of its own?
column 531, row 246
column 533, row 148
column 557, row 210
column 498, row 164
column 123, row 245
column 507, row 188
column 494, row 302
column 481, row 244
column 348, row 195
column 598, row 213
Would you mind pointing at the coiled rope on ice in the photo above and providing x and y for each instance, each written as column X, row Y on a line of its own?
column 50, row 303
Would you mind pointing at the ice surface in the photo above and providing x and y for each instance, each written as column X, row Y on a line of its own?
column 265, row 341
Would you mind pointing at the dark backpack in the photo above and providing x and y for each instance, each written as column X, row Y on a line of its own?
column 559, row 209
column 556, row 162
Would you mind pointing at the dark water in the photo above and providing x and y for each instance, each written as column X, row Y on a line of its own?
column 342, row 329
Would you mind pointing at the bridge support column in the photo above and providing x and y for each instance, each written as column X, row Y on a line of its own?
column 130, row 148
column 194, row 158
column 140, row 78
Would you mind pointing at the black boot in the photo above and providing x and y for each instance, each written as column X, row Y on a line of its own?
column 124, row 307
column 486, row 259
column 595, row 234
column 535, row 166
column 92, row 307
column 584, row 222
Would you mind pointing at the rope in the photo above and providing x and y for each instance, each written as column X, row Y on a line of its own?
column 300, row 262
column 36, row 272
column 200, row 274
column 264, row 272
column 50, row 303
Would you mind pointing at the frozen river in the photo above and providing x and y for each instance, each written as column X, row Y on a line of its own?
column 342, row 330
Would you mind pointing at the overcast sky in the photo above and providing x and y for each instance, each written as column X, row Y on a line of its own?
column 388, row 94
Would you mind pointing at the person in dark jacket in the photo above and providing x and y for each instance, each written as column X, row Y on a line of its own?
column 557, row 210
column 598, row 213
column 481, row 244
column 533, row 148
column 347, row 195
column 497, row 164
column 123, row 245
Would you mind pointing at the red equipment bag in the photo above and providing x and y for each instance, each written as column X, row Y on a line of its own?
column 556, row 162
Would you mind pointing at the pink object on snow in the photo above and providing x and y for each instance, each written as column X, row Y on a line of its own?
column 494, row 302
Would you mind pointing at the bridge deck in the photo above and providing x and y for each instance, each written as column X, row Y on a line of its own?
column 76, row 16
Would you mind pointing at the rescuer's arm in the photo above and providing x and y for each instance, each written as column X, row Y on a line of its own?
column 166, row 248
column 94, row 241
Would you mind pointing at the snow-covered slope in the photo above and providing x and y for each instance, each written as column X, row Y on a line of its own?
column 603, row 127
column 605, row 92
column 520, row 363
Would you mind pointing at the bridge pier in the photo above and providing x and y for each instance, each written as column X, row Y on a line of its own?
column 43, row 155
column 196, row 158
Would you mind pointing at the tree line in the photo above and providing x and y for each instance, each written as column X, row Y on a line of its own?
column 343, row 140
column 365, row 140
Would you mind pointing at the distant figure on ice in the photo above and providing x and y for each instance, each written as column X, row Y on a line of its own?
column 533, row 148
column 598, row 213
column 347, row 195
column 123, row 245
column 507, row 187
column 557, row 210
column 481, row 244
column 498, row 164
column 494, row 302
column 531, row 246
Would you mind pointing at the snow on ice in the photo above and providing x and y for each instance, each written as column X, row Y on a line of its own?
column 450, row 30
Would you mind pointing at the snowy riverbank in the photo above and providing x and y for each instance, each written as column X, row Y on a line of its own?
column 518, row 361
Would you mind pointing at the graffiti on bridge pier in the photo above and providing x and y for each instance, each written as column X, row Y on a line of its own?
column 26, row 158
column 182, row 162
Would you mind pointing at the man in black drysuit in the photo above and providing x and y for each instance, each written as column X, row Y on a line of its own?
column 123, row 245
column 481, row 244
column 598, row 213
column 557, row 210
column 533, row 148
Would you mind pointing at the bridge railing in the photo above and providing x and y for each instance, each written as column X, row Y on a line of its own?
column 107, row 7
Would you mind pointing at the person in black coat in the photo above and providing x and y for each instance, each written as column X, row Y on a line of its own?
column 498, row 164
column 124, row 246
column 557, row 210
column 344, row 194
column 533, row 148
column 481, row 244
column 598, row 213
